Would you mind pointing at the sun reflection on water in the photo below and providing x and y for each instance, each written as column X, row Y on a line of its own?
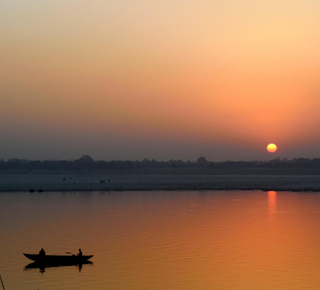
column 272, row 204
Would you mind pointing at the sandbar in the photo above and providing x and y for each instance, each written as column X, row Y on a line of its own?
column 119, row 182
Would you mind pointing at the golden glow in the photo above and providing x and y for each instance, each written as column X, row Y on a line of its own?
column 210, row 71
column 272, row 148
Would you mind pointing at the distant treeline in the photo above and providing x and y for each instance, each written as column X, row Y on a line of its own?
column 87, row 163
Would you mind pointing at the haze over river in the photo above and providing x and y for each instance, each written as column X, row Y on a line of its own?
column 163, row 239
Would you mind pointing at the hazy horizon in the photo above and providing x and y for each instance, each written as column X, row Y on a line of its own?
column 285, row 159
column 128, row 80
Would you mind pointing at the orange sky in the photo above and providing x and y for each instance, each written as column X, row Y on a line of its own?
column 169, row 80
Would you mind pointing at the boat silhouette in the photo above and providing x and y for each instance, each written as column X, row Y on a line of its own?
column 46, row 261
column 58, row 258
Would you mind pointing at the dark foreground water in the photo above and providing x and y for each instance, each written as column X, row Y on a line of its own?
column 163, row 240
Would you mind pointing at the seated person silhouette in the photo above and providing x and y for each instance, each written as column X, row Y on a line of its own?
column 42, row 252
column 80, row 253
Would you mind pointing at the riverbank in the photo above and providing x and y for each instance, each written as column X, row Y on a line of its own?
column 116, row 182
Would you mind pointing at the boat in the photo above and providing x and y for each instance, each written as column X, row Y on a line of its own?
column 59, row 259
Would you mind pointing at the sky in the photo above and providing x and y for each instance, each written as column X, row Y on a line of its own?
column 170, row 79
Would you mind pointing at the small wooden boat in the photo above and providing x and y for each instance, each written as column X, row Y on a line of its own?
column 59, row 259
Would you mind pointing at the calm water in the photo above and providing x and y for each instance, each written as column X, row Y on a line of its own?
column 164, row 240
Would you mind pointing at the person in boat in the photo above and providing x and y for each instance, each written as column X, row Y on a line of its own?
column 80, row 253
column 42, row 252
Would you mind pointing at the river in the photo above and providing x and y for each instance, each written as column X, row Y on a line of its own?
column 163, row 239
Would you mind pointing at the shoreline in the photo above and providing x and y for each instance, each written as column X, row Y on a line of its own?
column 35, row 182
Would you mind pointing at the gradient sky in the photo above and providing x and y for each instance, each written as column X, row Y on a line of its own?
column 159, row 79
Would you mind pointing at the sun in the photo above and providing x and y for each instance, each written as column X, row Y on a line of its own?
column 272, row 148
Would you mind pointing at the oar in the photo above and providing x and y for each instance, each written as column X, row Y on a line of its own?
column 2, row 283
